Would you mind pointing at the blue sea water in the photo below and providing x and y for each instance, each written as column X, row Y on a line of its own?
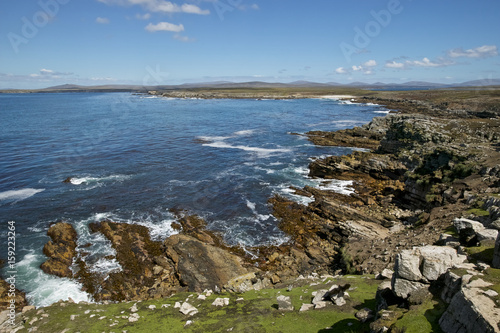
column 134, row 157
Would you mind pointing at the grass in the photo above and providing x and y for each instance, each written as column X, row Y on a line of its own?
column 422, row 318
column 258, row 312
column 483, row 253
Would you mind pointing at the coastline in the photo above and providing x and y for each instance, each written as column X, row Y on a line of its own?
column 329, row 236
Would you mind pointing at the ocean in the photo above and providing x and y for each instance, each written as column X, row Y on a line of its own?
column 132, row 158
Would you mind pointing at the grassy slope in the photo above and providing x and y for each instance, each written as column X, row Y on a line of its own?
column 256, row 313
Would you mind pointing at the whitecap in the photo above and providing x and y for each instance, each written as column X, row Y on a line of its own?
column 335, row 185
column 18, row 195
column 244, row 132
column 92, row 180
column 48, row 289
column 382, row 111
column 261, row 152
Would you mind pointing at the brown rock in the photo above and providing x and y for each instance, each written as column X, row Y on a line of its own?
column 216, row 267
column 139, row 258
column 6, row 292
column 61, row 250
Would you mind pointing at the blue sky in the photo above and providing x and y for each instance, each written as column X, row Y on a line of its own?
column 148, row 42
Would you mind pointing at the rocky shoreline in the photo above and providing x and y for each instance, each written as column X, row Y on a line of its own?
column 422, row 169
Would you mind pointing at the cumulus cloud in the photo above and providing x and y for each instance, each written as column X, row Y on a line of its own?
column 370, row 63
column 484, row 51
column 160, row 6
column 164, row 26
column 102, row 20
column 341, row 70
column 357, row 68
column 394, row 64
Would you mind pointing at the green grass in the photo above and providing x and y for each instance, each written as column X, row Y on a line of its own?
column 478, row 212
column 483, row 253
column 256, row 313
column 422, row 318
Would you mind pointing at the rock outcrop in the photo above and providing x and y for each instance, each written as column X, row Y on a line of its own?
column 215, row 270
column 416, row 269
column 61, row 250
column 146, row 272
column 496, row 254
column 471, row 311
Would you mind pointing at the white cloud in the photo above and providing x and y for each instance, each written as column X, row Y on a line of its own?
column 370, row 63
column 341, row 70
column 159, row 6
column 484, row 51
column 102, row 20
column 357, row 68
column 425, row 62
column 164, row 26
column 394, row 64
column 50, row 72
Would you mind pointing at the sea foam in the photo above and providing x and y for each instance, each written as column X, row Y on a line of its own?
column 18, row 195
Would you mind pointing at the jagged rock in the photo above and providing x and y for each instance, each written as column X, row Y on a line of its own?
column 470, row 311
column 61, row 250
column 487, row 234
column 247, row 282
column 137, row 254
column 407, row 266
column 496, row 255
column 221, row 302
column 404, row 288
column 452, row 284
column 467, row 229
column 436, row 260
column 187, row 309
column 306, row 307
column 385, row 275
column 364, row 315
column 425, row 263
column 133, row 317
column 217, row 268
column 448, row 240
column 284, row 303
column 319, row 296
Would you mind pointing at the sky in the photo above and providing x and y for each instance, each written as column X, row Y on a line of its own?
column 157, row 42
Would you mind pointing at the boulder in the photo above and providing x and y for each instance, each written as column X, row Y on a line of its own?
column 364, row 315
column 187, row 309
column 284, row 303
column 407, row 266
column 496, row 255
column 404, row 288
column 470, row 311
column 217, row 268
column 385, row 275
column 426, row 263
column 452, row 284
column 436, row 260
column 487, row 234
column 467, row 229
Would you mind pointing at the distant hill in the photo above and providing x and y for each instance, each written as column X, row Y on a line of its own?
column 417, row 85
